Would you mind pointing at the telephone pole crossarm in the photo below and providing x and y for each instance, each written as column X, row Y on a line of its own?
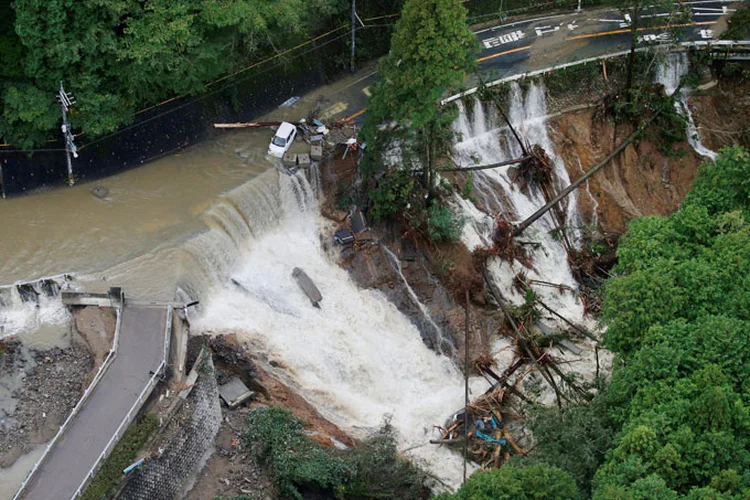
column 67, row 100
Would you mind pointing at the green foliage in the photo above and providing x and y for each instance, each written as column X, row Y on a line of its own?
column 378, row 472
column 394, row 192
column 738, row 24
column 373, row 469
column 443, row 224
column 468, row 186
column 679, row 316
column 575, row 439
column 432, row 49
column 539, row 481
column 277, row 439
column 118, row 55
column 109, row 475
column 726, row 187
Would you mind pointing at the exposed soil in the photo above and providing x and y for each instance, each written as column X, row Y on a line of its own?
column 722, row 113
column 640, row 181
column 231, row 470
column 46, row 385
column 96, row 329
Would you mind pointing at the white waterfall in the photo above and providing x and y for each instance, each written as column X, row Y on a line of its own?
column 34, row 312
column 357, row 359
column 482, row 141
column 669, row 73
column 440, row 338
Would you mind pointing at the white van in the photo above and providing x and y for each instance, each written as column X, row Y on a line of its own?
column 282, row 140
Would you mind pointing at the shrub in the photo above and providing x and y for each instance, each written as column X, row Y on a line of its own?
column 517, row 483
column 109, row 475
column 392, row 194
column 443, row 224
column 372, row 469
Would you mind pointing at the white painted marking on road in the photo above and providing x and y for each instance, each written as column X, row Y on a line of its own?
column 572, row 26
column 654, row 38
column 706, row 34
column 496, row 41
column 366, row 91
column 333, row 110
column 542, row 30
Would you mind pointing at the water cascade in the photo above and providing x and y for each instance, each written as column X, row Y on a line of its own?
column 357, row 359
column 444, row 344
column 669, row 73
column 34, row 311
column 482, row 141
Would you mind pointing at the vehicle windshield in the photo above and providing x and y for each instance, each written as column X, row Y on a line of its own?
column 279, row 141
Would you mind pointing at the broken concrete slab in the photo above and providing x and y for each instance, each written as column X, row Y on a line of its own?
column 316, row 152
column 290, row 160
column 234, row 392
column 303, row 160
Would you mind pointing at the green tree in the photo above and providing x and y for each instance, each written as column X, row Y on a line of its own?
column 539, row 481
column 432, row 49
column 118, row 55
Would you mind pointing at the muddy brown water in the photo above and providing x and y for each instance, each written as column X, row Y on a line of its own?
column 132, row 237
column 158, row 205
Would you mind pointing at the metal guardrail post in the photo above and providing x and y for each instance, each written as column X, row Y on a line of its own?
column 136, row 407
column 74, row 413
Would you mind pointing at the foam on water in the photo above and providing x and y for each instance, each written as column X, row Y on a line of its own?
column 357, row 359
column 669, row 73
column 38, row 316
column 483, row 141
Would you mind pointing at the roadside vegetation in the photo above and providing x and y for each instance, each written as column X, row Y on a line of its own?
column 300, row 466
column 109, row 475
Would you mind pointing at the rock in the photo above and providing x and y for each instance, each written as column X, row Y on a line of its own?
column 290, row 160
column 100, row 192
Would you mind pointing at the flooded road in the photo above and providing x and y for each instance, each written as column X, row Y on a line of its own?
column 149, row 210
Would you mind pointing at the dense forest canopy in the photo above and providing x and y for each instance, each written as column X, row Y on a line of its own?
column 674, row 421
column 119, row 55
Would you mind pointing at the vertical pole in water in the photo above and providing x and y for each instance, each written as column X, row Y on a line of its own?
column 66, row 101
column 354, row 28
column 466, row 386
column 2, row 182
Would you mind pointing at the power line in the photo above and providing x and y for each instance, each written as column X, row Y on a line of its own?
column 204, row 96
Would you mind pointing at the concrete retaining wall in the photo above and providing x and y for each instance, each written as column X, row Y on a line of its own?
column 188, row 436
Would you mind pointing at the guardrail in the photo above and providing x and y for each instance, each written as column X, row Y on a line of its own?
column 529, row 74
column 145, row 393
column 111, row 355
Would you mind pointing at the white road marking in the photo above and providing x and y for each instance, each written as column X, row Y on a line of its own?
column 541, row 30
column 496, row 41
column 707, row 34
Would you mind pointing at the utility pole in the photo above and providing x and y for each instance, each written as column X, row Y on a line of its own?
column 354, row 29
column 466, row 387
column 578, row 10
column 66, row 100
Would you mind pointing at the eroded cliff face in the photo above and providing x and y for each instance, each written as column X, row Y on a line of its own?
column 722, row 113
column 643, row 180
column 640, row 181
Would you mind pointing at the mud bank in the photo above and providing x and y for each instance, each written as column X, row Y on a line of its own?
column 230, row 469
column 40, row 387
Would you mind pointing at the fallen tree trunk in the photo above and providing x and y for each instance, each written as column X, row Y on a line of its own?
column 486, row 167
column 565, row 192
